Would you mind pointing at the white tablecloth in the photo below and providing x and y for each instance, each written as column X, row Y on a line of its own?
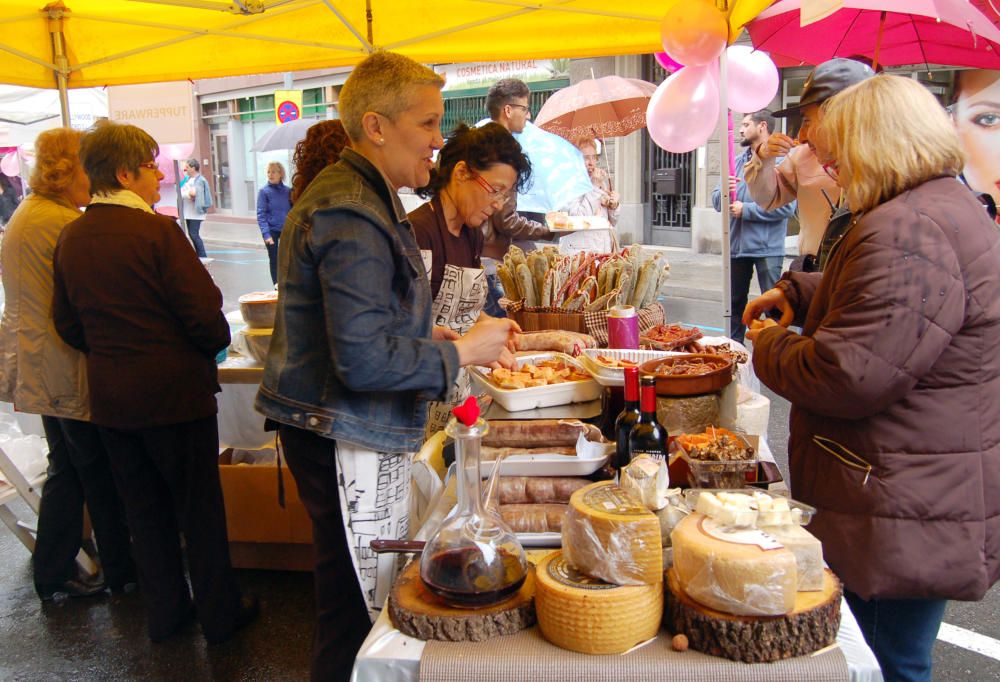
column 390, row 656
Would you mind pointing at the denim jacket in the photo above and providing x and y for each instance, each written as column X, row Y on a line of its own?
column 351, row 357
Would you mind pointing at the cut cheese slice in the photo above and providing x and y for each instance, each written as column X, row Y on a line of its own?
column 749, row 574
column 582, row 614
column 808, row 553
column 609, row 534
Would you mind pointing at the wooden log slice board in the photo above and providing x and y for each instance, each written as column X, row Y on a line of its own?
column 811, row 625
column 417, row 612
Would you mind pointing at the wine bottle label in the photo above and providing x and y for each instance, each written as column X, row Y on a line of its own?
column 656, row 454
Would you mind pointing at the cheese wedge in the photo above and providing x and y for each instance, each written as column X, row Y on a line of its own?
column 808, row 553
column 734, row 570
column 609, row 534
column 591, row 616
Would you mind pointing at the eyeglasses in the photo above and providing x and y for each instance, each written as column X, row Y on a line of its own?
column 526, row 108
column 831, row 169
column 151, row 165
column 494, row 193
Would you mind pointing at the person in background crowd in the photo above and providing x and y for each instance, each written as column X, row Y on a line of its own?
column 8, row 199
column 318, row 149
column 273, row 203
column 976, row 112
column 507, row 104
column 354, row 357
column 800, row 176
column 756, row 236
column 197, row 200
column 40, row 374
column 133, row 297
column 602, row 200
column 895, row 425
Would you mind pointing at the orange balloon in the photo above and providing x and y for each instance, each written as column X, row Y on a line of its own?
column 694, row 33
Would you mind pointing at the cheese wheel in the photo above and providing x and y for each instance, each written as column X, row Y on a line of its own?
column 591, row 616
column 808, row 553
column 609, row 534
column 740, row 571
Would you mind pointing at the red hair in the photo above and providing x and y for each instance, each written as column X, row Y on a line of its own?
column 320, row 147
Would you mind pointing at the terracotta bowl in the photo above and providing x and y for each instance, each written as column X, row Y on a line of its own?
column 689, row 384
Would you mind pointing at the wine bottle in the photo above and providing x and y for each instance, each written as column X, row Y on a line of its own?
column 627, row 418
column 648, row 436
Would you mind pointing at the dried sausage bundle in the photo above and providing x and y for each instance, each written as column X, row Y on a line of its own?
column 538, row 489
column 533, row 433
column 534, row 518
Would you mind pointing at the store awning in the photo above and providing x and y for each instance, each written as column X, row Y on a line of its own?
column 114, row 42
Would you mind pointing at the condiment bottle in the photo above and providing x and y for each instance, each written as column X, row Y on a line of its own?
column 648, row 436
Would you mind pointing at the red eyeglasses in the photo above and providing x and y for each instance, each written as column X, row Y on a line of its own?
column 494, row 193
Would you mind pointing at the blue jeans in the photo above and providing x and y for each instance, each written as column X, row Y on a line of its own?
column 194, row 231
column 741, row 270
column 901, row 633
column 494, row 292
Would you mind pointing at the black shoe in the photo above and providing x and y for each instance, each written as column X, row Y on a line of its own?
column 188, row 616
column 247, row 613
column 70, row 588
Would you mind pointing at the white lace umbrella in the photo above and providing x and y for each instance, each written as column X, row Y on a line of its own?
column 610, row 106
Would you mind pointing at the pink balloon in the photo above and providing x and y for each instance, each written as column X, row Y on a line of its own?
column 667, row 63
column 684, row 110
column 752, row 79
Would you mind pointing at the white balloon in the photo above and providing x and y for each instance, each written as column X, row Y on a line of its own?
column 752, row 79
column 684, row 110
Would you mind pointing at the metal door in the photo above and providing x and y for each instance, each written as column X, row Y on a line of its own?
column 220, row 162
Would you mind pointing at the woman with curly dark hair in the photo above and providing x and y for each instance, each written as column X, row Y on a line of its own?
column 476, row 170
column 320, row 147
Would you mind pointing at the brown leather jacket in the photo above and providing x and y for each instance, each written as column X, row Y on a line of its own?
column 898, row 369
column 506, row 226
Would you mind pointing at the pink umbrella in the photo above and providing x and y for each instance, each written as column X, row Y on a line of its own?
column 610, row 106
column 890, row 32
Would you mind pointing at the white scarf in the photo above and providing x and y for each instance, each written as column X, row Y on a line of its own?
column 121, row 197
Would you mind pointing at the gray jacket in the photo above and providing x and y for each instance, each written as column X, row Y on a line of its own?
column 351, row 357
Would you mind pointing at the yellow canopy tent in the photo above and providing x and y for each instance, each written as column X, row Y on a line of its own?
column 83, row 43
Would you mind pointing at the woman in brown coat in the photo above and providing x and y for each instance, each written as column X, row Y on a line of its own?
column 895, row 379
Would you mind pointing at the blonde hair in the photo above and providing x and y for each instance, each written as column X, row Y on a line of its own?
column 888, row 134
column 57, row 155
column 276, row 164
column 382, row 83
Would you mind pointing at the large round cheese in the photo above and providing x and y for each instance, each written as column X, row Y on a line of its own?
column 591, row 616
column 741, row 571
column 609, row 534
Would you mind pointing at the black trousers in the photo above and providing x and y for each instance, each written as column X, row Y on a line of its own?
column 79, row 471
column 169, row 479
column 272, row 256
column 341, row 614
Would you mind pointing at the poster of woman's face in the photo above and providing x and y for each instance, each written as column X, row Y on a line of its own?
column 977, row 117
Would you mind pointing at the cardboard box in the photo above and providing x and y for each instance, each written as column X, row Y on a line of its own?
column 257, row 524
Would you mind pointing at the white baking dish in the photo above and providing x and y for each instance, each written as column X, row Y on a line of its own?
column 612, row 376
column 515, row 400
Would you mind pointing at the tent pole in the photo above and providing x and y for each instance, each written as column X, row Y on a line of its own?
column 55, row 11
column 724, row 152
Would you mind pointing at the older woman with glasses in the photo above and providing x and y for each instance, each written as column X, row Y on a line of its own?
column 355, row 359
column 894, row 380
column 131, row 294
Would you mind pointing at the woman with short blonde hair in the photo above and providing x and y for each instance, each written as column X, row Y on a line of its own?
column 41, row 374
column 354, row 357
column 894, row 433
column 273, row 202
column 875, row 152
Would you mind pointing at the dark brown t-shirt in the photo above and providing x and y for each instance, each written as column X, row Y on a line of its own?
column 432, row 234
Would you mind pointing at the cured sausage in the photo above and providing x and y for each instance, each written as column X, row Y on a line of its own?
column 488, row 454
column 571, row 343
column 538, row 489
column 534, row 518
column 533, row 433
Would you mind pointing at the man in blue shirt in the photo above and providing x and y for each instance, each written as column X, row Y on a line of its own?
column 756, row 236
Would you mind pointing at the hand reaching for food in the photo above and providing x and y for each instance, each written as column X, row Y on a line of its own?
column 772, row 299
column 778, row 144
column 486, row 342
column 757, row 326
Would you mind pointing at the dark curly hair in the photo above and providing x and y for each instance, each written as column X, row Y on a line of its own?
column 320, row 147
column 480, row 148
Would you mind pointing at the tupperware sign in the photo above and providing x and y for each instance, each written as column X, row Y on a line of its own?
column 164, row 110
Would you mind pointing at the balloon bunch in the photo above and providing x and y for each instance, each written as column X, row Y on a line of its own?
column 684, row 110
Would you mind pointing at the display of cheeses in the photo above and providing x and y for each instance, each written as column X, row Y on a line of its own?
column 750, row 510
column 742, row 571
column 584, row 614
column 609, row 534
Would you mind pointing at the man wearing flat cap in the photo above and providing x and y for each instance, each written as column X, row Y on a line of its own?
column 801, row 176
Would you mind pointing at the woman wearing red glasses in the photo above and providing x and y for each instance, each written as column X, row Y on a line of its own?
column 477, row 169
